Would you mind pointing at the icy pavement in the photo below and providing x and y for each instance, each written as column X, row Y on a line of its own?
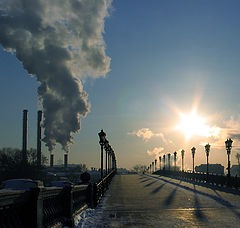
column 153, row 201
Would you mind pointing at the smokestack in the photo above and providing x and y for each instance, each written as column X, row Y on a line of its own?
column 65, row 160
column 24, row 142
column 39, row 138
column 51, row 160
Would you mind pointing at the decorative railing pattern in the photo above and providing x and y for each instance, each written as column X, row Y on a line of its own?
column 100, row 188
column 45, row 207
column 216, row 180
column 42, row 207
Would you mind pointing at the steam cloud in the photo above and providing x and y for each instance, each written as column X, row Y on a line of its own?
column 59, row 42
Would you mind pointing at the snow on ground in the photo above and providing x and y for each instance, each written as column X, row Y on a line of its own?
column 91, row 217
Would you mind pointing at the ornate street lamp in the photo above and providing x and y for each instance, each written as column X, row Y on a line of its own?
column 207, row 149
column 169, row 156
column 228, row 144
column 182, row 153
column 102, row 136
column 155, row 165
column 160, row 162
column 107, row 153
column 193, row 155
column 175, row 160
column 164, row 158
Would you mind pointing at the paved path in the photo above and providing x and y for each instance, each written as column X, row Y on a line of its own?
column 153, row 201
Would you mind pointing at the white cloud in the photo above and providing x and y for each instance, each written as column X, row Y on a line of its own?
column 156, row 151
column 146, row 134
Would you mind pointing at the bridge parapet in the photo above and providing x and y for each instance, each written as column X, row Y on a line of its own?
column 43, row 207
column 216, row 180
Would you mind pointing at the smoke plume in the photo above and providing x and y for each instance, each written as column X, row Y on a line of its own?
column 60, row 42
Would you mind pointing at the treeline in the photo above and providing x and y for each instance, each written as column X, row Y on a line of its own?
column 11, row 164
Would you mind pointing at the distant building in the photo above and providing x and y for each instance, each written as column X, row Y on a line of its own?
column 212, row 168
column 235, row 170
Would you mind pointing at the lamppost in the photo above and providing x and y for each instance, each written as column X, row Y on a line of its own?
column 169, row 156
column 102, row 136
column 175, row 160
column 207, row 149
column 164, row 157
column 111, row 159
column 228, row 144
column 107, row 153
column 150, row 168
column 193, row 155
column 182, row 153
column 160, row 162
column 155, row 165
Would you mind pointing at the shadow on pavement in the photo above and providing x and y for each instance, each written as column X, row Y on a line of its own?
column 216, row 198
column 149, row 184
column 170, row 198
column 145, row 180
column 156, row 190
column 198, row 212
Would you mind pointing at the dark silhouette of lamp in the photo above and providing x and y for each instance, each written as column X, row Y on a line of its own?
column 228, row 144
column 102, row 136
column 193, row 155
column 182, row 153
column 207, row 149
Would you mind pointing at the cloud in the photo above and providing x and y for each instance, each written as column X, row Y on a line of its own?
column 146, row 134
column 61, row 43
column 156, row 151
column 230, row 129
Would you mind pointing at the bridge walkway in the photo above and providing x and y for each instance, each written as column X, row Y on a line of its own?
column 153, row 201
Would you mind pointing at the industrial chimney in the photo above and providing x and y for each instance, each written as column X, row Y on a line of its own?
column 39, row 138
column 24, row 142
column 65, row 160
column 51, row 160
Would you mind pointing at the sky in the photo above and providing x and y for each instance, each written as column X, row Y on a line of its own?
column 163, row 59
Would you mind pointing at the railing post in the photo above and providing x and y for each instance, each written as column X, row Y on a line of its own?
column 35, row 209
column 68, row 198
column 39, row 209
column 94, row 199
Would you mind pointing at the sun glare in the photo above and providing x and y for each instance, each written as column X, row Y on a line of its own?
column 192, row 124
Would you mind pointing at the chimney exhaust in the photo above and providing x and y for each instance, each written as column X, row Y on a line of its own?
column 51, row 160
column 24, row 142
column 39, row 138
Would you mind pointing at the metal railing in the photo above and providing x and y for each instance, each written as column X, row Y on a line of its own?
column 100, row 188
column 43, row 207
column 216, row 180
column 46, row 207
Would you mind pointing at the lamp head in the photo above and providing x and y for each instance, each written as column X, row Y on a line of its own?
column 228, row 143
column 193, row 151
column 102, row 136
column 182, row 152
column 207, row 148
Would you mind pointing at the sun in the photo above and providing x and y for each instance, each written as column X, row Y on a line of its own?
column 192, row 124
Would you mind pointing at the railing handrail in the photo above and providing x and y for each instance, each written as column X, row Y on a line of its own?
column 106, row 177
column 222, row 180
